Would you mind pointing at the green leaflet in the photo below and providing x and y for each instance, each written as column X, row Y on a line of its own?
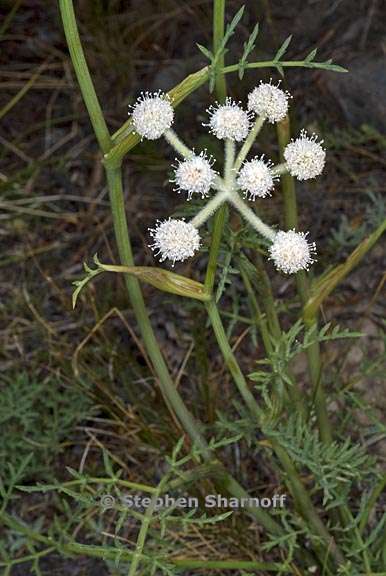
column 157, row 277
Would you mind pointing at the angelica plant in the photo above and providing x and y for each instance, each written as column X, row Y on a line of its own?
column 315, row 543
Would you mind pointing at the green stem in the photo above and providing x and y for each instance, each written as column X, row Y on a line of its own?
column 83, row 75
column 215, row 243
column 261, row 320
column 172, row 397
column 280, row 169
column 230, row 359
column 230, row 150
column 256, row 276
column 377, row 491
column 259, row 122
column 313, row 352
column 283, row 64
column 232, row 565
column 145, row 525
column 221, row 93
column 218, row 34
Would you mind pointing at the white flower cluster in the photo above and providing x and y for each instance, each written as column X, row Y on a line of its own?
column 305, row 157
column 176, row 240
column 269, row 101
column 195, row 175
column 256, row 178
column 152, row 115
column 291, row 251
column 229, row 121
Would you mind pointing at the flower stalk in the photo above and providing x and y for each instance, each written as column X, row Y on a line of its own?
column 313, row 352
column 257, row 126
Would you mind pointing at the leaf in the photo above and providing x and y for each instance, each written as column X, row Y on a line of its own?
column 283, row 48
column 324, row 286
column 311, row 55
column 205, row 51
column 248, row 47
column 280, row 70
column 80, row 284
column 230, row 29
column 157, row 277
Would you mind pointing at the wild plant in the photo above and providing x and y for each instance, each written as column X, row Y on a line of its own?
column 322, row 532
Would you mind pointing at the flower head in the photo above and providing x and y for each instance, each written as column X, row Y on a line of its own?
column 175, row 240
column 152, row 115
column 195, row 175
column 305, row 156
column 269, row 101
column 291, row 252
column 229, row 120
column 256, row 179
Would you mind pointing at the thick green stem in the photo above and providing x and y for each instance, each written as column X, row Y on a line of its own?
column 218, row 34
column 168, row 389
column 313, row 352
column 221, row 92
column 230, row 359
column 83, row 75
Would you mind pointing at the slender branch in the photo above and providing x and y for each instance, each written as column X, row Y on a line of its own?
column 285, row 64
column 251, row 217
column 259, row 122
column 210, row 207
column 145, row 525
column 280, row 169
column 221, row 92
column 176, row 143
column 254, row 275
